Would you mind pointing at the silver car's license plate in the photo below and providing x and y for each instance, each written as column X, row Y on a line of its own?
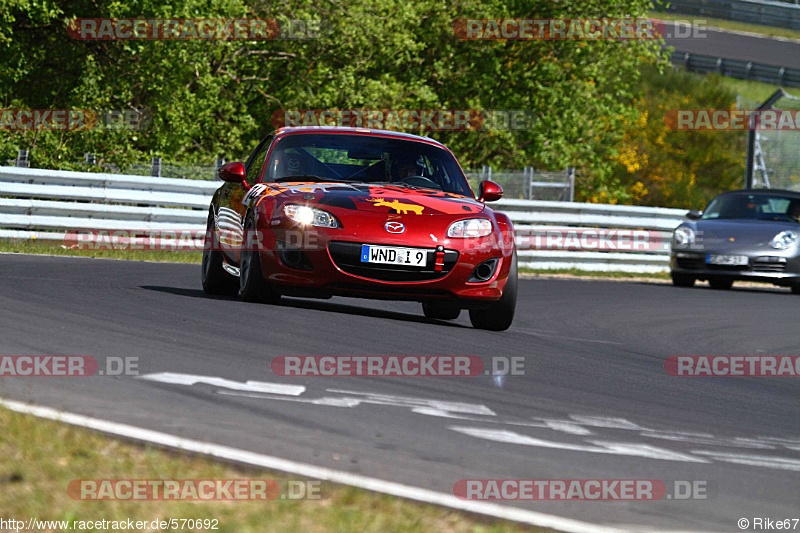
column 727, row 260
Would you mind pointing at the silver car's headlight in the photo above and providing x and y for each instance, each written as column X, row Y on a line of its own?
column 682, row 237
column 471, row 228
column 784, row 240
column 308, row 216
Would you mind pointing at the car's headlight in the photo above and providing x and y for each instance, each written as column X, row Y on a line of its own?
column 784, row 240
column 308, row 216
column 682, row 237
column 470, row 228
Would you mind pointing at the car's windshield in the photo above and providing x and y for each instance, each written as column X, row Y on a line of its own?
column 365, row 158
column 753, row 206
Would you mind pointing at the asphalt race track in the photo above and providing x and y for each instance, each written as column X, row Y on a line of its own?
column 595, row 401
column 733, row 45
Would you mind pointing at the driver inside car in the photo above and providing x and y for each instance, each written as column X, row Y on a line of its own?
column 404, row 168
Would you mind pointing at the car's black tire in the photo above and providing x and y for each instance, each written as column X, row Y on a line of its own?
column 720, row 284
column 683, row 280
column 214, row 278
column 440, row 311
column 796, row 289
column 500, row 314
column 252, row 286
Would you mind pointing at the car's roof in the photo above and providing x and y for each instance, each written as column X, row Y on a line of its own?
column 781, row 192
column 363, row 131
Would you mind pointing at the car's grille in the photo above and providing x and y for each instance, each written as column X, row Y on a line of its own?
column 347, row 256
column 769, row 264
column 694, row 262
column 728, row 268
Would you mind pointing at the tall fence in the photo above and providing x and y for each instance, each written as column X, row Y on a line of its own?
column 528, row 183
column 764, row 12
column 46, row 204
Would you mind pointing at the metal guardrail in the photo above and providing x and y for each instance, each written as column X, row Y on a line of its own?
column 46, row 204
column 743, row 70
column 764, row 12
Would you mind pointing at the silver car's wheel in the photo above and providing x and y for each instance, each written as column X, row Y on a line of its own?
column 721, row 284
column 683, row 280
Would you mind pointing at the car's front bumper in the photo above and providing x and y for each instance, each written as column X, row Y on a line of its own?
column 778, row 268
column 327, row 266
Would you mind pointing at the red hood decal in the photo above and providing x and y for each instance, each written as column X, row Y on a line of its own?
column 378, row 198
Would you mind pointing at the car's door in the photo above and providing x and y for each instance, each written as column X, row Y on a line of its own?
column 230, row 217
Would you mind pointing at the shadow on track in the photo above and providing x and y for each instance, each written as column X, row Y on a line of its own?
column 316, row 305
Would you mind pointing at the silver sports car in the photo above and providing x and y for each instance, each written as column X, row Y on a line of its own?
column 749, row 235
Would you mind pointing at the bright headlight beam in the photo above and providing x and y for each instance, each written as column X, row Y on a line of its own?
column 683, row 237
column 784, row 240
column 470, row 228
column 308, row 216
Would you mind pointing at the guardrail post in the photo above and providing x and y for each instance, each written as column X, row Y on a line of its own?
column 571, row 176
column 156, row 167
column 23, row 158
column 527, row 176
column 218, row 162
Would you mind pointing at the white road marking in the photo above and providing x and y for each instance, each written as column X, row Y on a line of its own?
column 781, row 463
column 315, row 472
column 417, row 405
column 604, row 447
column 251, row 386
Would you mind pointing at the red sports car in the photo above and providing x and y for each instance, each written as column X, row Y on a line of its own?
column 322, row 211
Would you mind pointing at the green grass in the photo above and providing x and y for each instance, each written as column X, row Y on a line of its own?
column 41, row 457
column 32, row 246
column 730, row 25
column 757, row 92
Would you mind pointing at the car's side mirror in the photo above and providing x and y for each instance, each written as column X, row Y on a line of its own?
column 231, row 172
column 489, row 191
column 694, row 214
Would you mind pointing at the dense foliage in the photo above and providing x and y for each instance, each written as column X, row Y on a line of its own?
column 209, row 99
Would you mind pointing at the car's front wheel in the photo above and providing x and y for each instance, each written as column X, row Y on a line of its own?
column 252, row 286
column 796, row 288
column 721, row 284
column 215, row 279
column 499, row 315
column 683, row 280
column 440, row 311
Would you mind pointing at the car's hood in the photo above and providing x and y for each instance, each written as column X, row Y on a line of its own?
column 741, row 232
column 377, row 198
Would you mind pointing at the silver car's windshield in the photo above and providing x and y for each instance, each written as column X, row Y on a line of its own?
column 753, row 206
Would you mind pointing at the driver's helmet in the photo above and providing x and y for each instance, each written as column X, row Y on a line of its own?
column 407, row 165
